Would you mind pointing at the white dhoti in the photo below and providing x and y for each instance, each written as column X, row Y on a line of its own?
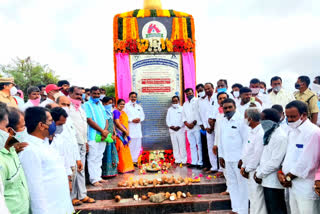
column 300, row 205
column 135, row 148
column 94, row 159
column 194, row 138
column 256, row 196
column 178, row 141
column 212, row 157
column 237, row 187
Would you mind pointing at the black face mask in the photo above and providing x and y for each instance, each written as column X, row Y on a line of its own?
column 297, row 86
column 229, row 114
column 190, row 97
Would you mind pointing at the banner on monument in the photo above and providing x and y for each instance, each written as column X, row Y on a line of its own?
column 156, row 79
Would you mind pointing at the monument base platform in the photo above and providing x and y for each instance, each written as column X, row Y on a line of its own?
column 205, row 194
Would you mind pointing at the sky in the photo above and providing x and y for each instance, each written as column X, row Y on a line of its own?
column 236, row 40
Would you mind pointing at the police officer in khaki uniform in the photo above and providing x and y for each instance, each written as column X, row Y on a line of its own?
column 7, row 91
column 306, row 95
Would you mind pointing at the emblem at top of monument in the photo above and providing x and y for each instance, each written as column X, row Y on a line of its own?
column 154, row 30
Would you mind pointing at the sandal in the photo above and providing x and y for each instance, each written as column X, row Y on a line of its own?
column 88, row 200
column 76, row 202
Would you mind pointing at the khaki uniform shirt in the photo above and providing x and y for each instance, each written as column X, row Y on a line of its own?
column 7, row 99
column 310, row 99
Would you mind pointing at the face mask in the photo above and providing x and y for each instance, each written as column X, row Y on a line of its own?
column 246, row 121
column 13, row 91
column 261, row 91
column 56, row 95
column 296, row 124
column 67, row 109
column 59, row 129
column 230, row 114
column 83, row 96
column 221, row 90
column 108, row 107
column 21, row 136
column 175, row 105
column 190, row 97
column 315, row 87
column 95, row 100
column 236, row 94
column 3, row 138
column 36, row 102
column 277, row 88
column 255, row 90
column 202, row 94
column 52, row 128
column 297, row 85
column 267, row 124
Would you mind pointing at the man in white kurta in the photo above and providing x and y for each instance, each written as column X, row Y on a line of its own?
column 206, row 107
column 251, row 155
column 273, row 154
column 231, row 144
column 176, row 130
column 43, row 167
column 302, row 160
column 192, row 122
column 136, row 116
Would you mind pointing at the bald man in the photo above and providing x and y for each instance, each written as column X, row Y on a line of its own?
column 69, row 134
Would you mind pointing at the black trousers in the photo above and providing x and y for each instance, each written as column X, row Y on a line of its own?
column 205, row 155
column 275, row 202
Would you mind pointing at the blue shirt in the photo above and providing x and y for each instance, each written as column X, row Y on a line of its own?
column 97, row 113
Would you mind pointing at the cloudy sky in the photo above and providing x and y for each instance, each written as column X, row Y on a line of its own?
column 236, row 39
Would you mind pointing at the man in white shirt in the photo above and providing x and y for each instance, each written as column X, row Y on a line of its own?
column 260, row 97
column 203, row 133
column 302, row 160
column 278, row 95
column 44, row 170
column 231, row 143
column 236, row 93
column 275, row 144
column 52, row 91
column 251, row 155
column 247, row 101
column 136, row 116
column 206, row 107
column 34, row 98
column 79, row 118
column 192, row 122
column 176, row 130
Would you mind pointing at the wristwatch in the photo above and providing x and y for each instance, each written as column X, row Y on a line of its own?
column 288, row 178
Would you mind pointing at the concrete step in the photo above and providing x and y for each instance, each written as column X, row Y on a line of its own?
column 107, row 191
column 196, row 203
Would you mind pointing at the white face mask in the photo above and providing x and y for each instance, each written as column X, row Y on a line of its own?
column 277, row 88
column 56, row 95
column 67, row 109
column 202, row 94
column 246, row 121
column 255, row 90
column 3, row 138
column 21, row 136
column 296, row 124
column 262, row 91
column 236, row 94
column 175, row 105
column 315, row 88
column 13, row 91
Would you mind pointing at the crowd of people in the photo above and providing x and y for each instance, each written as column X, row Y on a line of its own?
column 264, row 142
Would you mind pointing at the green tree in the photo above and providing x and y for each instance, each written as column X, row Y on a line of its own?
column 29, row 73
column 110, row 90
